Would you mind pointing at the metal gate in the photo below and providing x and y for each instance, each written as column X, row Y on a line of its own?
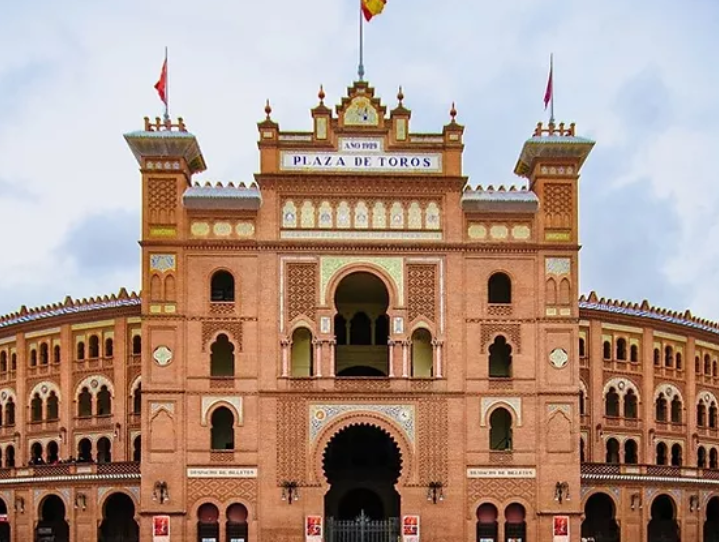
column 362, row 529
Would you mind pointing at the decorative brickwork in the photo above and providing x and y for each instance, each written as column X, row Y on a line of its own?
column 421, row 281
column 232, row 327
column 292, row 439
column 222, row 309
column 162, row 200
column 222, row 489
column 301, row 290
column 512, row 332
column 500, row 489
column 433, row 435
column 558, row 205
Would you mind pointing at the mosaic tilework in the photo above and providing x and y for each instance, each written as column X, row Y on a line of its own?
column 331, row 265
column 402, row 415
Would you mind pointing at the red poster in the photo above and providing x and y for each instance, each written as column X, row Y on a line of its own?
column 410, row 529
column 161, row 529
column 560, row 529
column 313, row 529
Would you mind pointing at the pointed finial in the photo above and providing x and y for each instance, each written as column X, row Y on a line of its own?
column 268, row 109
column 400, row 95
column 321, row 94
column 453, row 112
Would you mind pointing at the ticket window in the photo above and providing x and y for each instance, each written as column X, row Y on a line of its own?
column 236, row 526
column 208, row 526
column 487, row 525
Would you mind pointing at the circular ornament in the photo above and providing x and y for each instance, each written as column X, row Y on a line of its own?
column 621, row 385
column 558, row 358
column 162, row 355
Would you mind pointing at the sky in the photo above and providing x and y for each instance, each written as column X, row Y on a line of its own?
column 638, row 77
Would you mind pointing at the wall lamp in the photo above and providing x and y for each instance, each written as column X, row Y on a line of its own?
column 81, row 501
column 693, row 503
column 118, row 428
column 435, row 492
column 161, row 492
column 636, row 501
column 561, row 492
column 20, row 505
column 290, row 491
column 62, row 435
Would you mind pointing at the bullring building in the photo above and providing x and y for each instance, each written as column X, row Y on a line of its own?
column 358, row 346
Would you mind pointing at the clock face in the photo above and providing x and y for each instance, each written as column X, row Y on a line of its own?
column 361, row 113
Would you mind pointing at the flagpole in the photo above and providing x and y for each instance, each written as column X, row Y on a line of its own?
column 360, row 68
column 551, row 105
column 167, row 89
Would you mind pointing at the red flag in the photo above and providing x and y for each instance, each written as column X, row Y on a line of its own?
column 161, row 85
column 550, row 84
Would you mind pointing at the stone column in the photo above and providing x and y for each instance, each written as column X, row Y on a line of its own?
column 391, row 344
column 317, row 343
column 333, row 348
column 405, row 358
column 285, row 346
column 437, row 348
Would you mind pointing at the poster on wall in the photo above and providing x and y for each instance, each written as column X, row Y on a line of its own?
column 313, row 529
column 410, row 529
column 160, row 528
column 560, row 527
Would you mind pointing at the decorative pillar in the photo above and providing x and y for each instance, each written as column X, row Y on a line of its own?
column 318, row 357
column 390, row 345
column 437, row 348
column 333, row 346
column 285, row 345
column 405, row 358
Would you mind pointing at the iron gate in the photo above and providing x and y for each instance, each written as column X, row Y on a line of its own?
column 362, row 529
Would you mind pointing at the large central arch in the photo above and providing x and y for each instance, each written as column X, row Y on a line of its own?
column 362, row 464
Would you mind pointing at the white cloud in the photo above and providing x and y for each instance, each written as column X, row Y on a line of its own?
column 76, row 77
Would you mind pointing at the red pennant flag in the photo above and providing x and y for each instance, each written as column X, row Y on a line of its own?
column 161, row 85
column 370, row 8
column 550, row 85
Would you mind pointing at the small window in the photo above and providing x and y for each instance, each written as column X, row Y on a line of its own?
column 500, row 289
column 676, row 455
column 137, row 399
column 223, row 431
column 661, row 408
column 679, row 362
column 500, row 430
column 3, row 362
column 500, row 358
column 222, row 357
column 33, row 358
column 612, row 451
column 56, row 357
column 36, row 408
column 612, row 403
column 80, row 351
column 52, row 413
column 621, row 349
column 668, row 356
column 136, row 345
column 94, row 347
column 676, row 410
column 657, row 358
column 104, row 402
column 630, row 405
column 661, row 454
column 582, row 348
column 109, row 348
column 607, row 350
column 44, row 354
column 634, row 353
column 223, row 287
column 84, row 404
column 631, row 456
column 701, row 457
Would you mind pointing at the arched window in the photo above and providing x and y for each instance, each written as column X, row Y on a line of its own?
column 630, row 452
column 612, row 451
column 137, row 399
column 52, row 407
column 222, row 289
column 3, row 362
column 93, row 347
column 713, row 459
column 676, row 410
column 302, row 353
column 713, row 415
column 109, row 348
column 701, row 457
column 668, row 356
column 36, row 454
column 80, row 351
column 422, row 354
column 661, row 454
column 44, row 354
column 36, row 408
column 500, row 358
column 136, row 345
column 697, row 365
column 630, row 405
column 499, row 288
column 657, row 358
column 84, row 403
column 360, row 329
column 661, row 408
column 236, row 527
column 222, row 357
column 676, row 455
column 621, row 349
column 707, row 365
column 634, row 353
column 582, row 348
column 56, row 354
column 582, row 403
column 84, row 451
column 607, row 350
column 487, row 524
column 33, row 358
column 500, row 430
column 52, row 453
column 13, row 361
column 701, row 414
column 104, row 450
column 10, row 456
column 137, row 448
column 104, row 402
column 10, row 412
column 612, row 403
column 340, row 330
column 223, row 431
column 678, row 361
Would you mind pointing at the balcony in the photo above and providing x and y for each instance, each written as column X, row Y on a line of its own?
column 650, row 473
column 94, row 422
column 44, row 369
column 43, row 426
column 93, row 364
column 616, row 421
column 623, row 366
column 88, row 471
column 711, row 432
column 7, row 376
column 669, row 372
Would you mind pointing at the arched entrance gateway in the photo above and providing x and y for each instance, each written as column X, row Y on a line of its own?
column 663, row 526
column 362, row 464
column 52, row 526
column 711, row 524
column 361, row 326
column 118, row 523
column 600, row 523
column 4, row 524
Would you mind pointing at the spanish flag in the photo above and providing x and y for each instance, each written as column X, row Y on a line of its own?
column 370, row 8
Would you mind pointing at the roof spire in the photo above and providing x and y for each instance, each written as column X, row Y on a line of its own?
column 268, row 109
column 321, row 95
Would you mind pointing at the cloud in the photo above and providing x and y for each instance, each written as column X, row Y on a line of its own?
column 633, row 76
